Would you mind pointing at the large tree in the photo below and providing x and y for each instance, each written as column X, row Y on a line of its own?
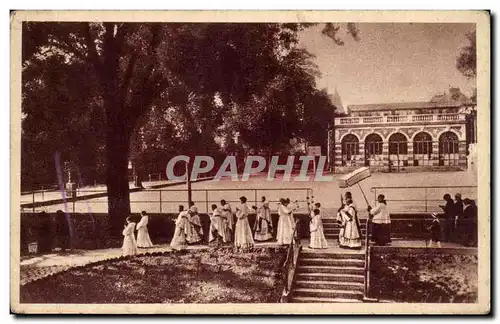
column 291, row 108
column 132, row 67
column 466, row 60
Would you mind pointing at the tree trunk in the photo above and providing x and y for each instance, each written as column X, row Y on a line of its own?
column 189, row 168
column 117, row 147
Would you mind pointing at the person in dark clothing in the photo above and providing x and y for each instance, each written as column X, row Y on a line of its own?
column 468, row 224
column 62, row 230
column 459, row 212
column 448, row 215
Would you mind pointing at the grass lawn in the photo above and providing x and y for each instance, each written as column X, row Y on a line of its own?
column 438, row 277
column 209, row 276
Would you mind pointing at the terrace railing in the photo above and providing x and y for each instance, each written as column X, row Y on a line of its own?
column 400, row 119
column 166, row 200
column 420, row 199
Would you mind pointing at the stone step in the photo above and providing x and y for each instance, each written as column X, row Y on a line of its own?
column 331, row 285
column 337, row 231
column 333, row 228
column 327, row 293
column 336, row 236
column 323, row 300
column 332, row 262
column 335, row 225
column 343, row 277
column 330, row 269
column 362, row 222
column 332, row 255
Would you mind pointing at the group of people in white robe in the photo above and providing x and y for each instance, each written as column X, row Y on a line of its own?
column 130, row 243
column 224, row 229
column 188, row 228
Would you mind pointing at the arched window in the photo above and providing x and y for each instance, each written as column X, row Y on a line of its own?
column 422, row 143
column 448, row 149
column 448, row 143
column 350, row 149
column 398, row 151
column 398, row 144
column 422, row 149
column 373, row 150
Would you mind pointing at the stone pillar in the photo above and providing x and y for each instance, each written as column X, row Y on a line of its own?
column 361, row 156
column 435, row 154
column 70, row 187
column 337, row 155
column 462, row 154
column 385, row 154
column 410, row 153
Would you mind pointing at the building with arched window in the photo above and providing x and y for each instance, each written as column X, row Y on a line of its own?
column 408, row 136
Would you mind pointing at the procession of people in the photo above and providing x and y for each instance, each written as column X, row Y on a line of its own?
column 231, row 227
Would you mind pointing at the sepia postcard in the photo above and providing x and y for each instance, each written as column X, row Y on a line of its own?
column 250, row 162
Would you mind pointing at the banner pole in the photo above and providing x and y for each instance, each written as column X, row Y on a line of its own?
column 367, row 203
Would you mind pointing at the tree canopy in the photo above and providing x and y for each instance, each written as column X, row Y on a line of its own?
column 91, row 91
column 466, row 61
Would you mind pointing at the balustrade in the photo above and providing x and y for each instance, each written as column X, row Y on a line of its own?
column 400, row 119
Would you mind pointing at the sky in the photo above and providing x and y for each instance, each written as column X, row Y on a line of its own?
column 391, row 62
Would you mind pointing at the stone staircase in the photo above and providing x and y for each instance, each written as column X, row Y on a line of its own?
column 330, row 276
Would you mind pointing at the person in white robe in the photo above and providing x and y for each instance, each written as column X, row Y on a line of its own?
column 340, row 220
column 228, row 219
column 217, row 234
column 350, row 233
column 243, row 233
column 381, row 222
column 286, row 222
column 263, row 225
column 318, row 240
column 195, row 230
column 179, row 241
column 143, row 239
column 129, row 246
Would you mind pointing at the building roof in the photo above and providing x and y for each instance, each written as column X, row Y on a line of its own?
column 337, row 101
column 406, row 106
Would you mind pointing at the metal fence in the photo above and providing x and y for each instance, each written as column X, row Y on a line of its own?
column 426, row 199
column 168, row 200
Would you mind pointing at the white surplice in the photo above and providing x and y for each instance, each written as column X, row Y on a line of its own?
column 218, row 227
column 143, row 239
column 179, row 241
column 350, row 233
column 318, row 240
column 129, row 246
column 286, row 225
column 243, row 233
column 195, row 230
column 263, row 223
